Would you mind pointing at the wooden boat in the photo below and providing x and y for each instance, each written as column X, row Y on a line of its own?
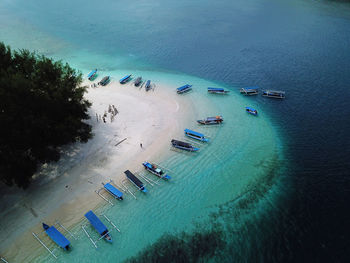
column 184, row 89
column 196, row 135
column 92, row 75
column 125, row 79
column 148, row 85
column 217, row 91
column 99, row 226
column 251, row 111
column 154, row 169
column 135, row 181
column 211, row 120
column 138, row 81
column 57, row 236
column 274, row 94
column 105, row 81
column 183, row 146
column 249, row 91
column 113, row 191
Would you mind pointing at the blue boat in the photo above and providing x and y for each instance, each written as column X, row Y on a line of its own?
column 249, row 91
column 135, row 181
column 184, row 89
column 183, row 146
column 251, row 111
column 274, row 94
column 152, row 168
column 196, row 135
column 217, row 91
column 92, row 74
column 125, row 79
column 148, row 85
column 113, row 191
column 57, row 236
column 99, row 226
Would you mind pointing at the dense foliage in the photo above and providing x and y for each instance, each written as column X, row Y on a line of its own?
column 41, row 108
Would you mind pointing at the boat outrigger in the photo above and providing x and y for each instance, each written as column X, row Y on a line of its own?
column 217, row 91
column 125, row 79
column 138, row 81
column 135, row 181
column 99, row 226
column 249, row 91
column 211, row 120
column 92, row 75
column 196, row 135
column 251, row 111
column 104, row 81
column 183, row 146
column 184, row 89
column 57, row 236
column 148, row 85
column 274, row 94
column 154, row 169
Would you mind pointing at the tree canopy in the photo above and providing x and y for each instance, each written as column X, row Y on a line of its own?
column 41, row 108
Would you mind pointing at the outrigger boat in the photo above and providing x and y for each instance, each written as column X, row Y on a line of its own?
column 99, row 226
column 152, row 168
column 218, row 91
column 148, row 85
column 57, row 236
column 249, row 91
column 183, row 146
column 184, row 89
column 125, row 79
column 274, row 94
column 135, row 181
column 113, row 191
column 251, row 111
column 138, row 81
column 211, row 120
column 104, row 81
column 196, row 135
column 92, row 74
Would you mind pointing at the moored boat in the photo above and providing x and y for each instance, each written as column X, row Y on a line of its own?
column 135, row 181
column 57, row 236
column 92, row 75
column 184, row 89
column 113, row 191
column 148, row 85
column 104, row 81
column 211, row 120
column 125, row 79
column 183, row 146
column 99, row 226
column 217, row 91
column 196, row 135
column 138, row 81
column 251, row 111
column 249, row 91
column 274, row 94
column 154, row 169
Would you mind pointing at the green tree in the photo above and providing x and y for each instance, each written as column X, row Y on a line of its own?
column 41, row 108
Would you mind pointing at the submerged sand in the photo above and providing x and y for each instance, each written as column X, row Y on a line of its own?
column 65, row 190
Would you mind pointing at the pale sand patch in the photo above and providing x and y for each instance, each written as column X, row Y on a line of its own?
column 65, row 191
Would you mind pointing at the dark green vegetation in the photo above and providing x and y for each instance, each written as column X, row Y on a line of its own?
column 41, row 108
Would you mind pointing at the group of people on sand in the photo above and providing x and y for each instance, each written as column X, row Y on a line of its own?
column 112, row 110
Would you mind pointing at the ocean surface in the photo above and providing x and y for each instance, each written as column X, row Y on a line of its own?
column 268, row 189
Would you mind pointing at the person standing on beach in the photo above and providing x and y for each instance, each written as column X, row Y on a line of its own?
column 141, row 145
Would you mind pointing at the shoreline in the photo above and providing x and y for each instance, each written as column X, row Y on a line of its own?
column 67, row 191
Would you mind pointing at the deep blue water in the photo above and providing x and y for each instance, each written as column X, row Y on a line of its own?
column 302, row 47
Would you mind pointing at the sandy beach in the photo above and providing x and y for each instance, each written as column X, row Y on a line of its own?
column 64, row 190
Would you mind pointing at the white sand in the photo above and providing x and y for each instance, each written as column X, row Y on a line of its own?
column 65, row 190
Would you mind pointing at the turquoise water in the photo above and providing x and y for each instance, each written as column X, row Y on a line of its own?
column 218, row 197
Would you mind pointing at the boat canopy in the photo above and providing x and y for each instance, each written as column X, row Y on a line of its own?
column 114, row 191
column 57, row 237
column 194, row 133
column 180, row 143
column 125, row 78
column 216, row 89
column 250, row 108
column 96, row 223
column 250, row 88
column 134, row 179
column 148, row 165
column 214, row 118
column 92, row 73
column 274, row 92
column 184, row 87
